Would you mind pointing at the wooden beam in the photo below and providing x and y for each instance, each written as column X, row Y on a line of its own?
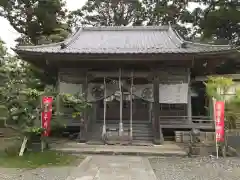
column 188, row 126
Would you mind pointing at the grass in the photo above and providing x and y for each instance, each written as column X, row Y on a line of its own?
column 9, row 159
column 40, row 159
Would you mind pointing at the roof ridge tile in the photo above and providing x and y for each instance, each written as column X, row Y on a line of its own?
column 71, row 39
column 175, row 37
column 207, row 44
column 124, row 28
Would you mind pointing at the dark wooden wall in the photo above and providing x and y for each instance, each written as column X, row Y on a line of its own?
column 141, row 108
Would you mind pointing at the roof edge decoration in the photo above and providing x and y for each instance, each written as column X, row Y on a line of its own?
column 125, row 40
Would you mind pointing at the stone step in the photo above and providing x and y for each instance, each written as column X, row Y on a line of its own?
column 142, row 131
column 142, row 135
column 149, row 139
column 134, row 133
column 124, row 122
column 135, row 128
column 163, row 150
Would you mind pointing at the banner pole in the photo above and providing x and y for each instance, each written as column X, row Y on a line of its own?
column 41, row 116
column 214, row 117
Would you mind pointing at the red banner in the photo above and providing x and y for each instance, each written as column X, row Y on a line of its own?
column 219, row 120
column 46, row 114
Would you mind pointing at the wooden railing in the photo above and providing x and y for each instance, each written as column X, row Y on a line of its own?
column 200, row 122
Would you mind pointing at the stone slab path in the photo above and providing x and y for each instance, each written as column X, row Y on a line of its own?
column 51, row 173
column 113, row 168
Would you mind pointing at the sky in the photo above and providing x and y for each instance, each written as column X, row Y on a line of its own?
column 8, row 34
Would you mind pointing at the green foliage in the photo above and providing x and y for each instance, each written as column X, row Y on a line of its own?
column 3, row 50
column 34, row 130
column 12, row 150
column 217, row 87
column 20, row 96
column 77, row 103
column 36, row 20
column 232, row 108
column 136, row 13
column 44, row 21
column 219, row 21
column 107, row 13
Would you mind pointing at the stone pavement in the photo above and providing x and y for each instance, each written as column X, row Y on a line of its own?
column 113, row 168
column 51, row 173
column 167, row 149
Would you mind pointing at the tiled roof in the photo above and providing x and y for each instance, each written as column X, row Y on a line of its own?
column 125, row 40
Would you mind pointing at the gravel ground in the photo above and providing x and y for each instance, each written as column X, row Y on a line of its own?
column 60, row 173
column 173, row 168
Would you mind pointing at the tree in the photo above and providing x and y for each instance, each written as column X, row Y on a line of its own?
column 135, row 12
column 3, row 50
column 20, row 96
column 217, row 87
column 38, row 21
column 163, row 12
column 107, row 13
column 219, row 21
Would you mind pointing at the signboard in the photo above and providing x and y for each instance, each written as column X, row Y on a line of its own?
column 46, row 114
column 173, row 93
column 219, row 120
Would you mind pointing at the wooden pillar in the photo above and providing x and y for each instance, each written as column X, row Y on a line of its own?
column 158, row 137
column 121, row 104
column 131, row 106
column 189, row 105
column 150, row 108
column 104, row 130
column 84, row 120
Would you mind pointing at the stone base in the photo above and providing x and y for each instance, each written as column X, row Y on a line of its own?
column 82, row 140
column 157, row 141
column 194, row 150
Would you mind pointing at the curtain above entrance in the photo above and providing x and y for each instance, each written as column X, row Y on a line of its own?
column 168, row 93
